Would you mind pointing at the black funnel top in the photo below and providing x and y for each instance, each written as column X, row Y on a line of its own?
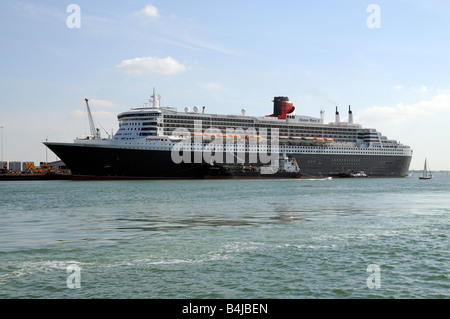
column 277, row 104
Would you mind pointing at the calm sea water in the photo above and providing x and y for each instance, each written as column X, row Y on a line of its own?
column 344, row 238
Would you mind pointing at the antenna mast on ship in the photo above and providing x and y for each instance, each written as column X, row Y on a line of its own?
column 155, row 99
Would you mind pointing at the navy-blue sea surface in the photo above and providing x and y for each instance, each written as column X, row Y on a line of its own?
column 290, row 238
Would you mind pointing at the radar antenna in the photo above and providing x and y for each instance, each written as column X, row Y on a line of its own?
column 155, row 99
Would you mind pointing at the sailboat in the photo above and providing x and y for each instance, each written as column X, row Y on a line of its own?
column 426, row 172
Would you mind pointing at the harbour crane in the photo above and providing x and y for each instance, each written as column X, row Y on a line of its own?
column 95, row 132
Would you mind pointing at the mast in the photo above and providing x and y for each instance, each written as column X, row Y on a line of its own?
column 337, row 118
column 155, row 99
column 425, row 168
column 426, row 172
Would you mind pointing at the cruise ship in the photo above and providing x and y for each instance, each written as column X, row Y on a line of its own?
column 161, row 142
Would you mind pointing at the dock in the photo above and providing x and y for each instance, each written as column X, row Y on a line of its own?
column 27, row 171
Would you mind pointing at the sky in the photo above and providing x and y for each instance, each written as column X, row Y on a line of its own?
column 389, row 60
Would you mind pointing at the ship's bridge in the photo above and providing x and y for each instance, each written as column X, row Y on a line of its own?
column 138, row 123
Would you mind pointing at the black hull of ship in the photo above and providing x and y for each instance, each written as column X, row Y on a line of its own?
column 98, row 162
column 94, row 162
column 323, row 165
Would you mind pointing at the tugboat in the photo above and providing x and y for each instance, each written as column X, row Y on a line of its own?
column 287, row 168
column 359, row 174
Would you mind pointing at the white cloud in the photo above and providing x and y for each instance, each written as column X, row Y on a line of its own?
column 78, row 113
column 404, row 113
column 39, row 11
column 150, row 11
column 103, row 115
column 422, row 89
column 212, row 46
column 211, row 86
column 440, row 102
column 95, row 103
column 95, row 114
column 151, row 65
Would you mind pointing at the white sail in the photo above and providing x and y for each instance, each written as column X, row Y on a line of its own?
column 426, row 172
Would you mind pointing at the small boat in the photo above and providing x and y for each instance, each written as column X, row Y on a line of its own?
column 359, row 174
column 426, row 172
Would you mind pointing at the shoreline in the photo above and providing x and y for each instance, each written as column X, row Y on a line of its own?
column 35, row 177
